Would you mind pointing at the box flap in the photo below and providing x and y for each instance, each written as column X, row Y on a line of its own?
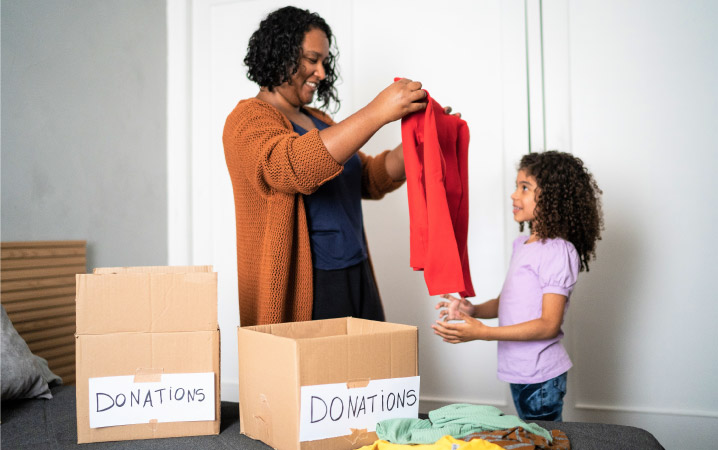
column 304, row 330
column 152, row 269
column 348, row 349
column 314, row 329
column 359, row 357
column 146, row 302
column 364, row 326
column 268, row 388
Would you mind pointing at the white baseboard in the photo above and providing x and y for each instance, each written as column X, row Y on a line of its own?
column 644, row 410
column 230, row 391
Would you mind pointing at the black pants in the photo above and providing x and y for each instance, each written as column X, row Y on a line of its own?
column 346, row 292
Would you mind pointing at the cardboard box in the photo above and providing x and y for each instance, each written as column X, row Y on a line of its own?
column 277, row 363
column 152, row 334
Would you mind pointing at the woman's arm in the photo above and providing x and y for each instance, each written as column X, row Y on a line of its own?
column 261, row 149
column 545, row 327
column 348, row 136
column 395, row 163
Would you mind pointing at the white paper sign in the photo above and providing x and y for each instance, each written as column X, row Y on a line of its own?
column 178, row 397
column 332, row 410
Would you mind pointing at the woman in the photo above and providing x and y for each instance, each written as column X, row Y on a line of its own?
column 298, row 178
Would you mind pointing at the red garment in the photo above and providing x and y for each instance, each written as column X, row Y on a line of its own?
column 436, row 160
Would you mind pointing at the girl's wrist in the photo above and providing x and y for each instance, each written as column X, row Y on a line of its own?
column 473, row 311
column 489, row 333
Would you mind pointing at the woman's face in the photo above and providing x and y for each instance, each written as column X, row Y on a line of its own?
column 300, row 88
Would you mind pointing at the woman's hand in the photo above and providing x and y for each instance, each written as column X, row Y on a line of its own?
column 450, row 309
column 455, row 332
column 399, row 99
column 447, row 110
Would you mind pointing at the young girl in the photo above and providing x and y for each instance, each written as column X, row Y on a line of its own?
column 560, row 200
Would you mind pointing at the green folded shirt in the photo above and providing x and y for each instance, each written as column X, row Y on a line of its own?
column 458, row 420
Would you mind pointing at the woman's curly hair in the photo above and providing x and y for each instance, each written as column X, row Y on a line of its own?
column 568, row 203
column 274, row 51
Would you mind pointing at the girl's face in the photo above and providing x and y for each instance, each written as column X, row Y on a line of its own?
column 299, row 90
column 524, row 197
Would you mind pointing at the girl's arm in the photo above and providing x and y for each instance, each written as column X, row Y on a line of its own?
column 545, row 327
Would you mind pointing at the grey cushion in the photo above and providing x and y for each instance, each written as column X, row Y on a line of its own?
column 595, row 436
column 24, row 375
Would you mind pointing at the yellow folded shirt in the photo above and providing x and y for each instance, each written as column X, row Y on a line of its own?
column 445, row 443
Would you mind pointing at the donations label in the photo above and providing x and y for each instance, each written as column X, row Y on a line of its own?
column 332, row 410
column 176, row 397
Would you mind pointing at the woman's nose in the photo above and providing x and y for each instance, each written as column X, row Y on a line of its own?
column 320, row 72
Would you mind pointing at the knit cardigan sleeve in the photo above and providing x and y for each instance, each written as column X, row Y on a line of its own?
column 376, row 182
column 261, row 146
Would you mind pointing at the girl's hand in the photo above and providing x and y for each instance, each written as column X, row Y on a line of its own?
column 449, row 310
column 399, row 99
column 455, row 332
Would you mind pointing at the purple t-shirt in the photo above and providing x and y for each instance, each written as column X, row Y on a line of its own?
column 538, row 268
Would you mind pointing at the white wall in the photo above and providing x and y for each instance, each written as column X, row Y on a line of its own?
column 84, row 126
column 643, row 116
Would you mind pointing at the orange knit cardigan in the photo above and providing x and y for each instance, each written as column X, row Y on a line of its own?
column 271, row 166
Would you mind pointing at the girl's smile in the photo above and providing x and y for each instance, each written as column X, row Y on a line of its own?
column 524, row 197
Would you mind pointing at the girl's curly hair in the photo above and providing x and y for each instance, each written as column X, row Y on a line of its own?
column 568, row 203
column 275, row 50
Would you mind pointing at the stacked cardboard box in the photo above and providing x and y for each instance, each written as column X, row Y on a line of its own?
column 308, row 385
column 147, row 352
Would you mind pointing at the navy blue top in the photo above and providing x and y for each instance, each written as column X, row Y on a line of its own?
column 334, row 215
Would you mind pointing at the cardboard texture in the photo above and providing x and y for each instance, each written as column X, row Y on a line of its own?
column 276, row 360
column 152, row 269
column 146, row 301
column 145, row 322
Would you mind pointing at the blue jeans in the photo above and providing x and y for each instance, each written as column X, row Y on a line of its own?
column 540, row 401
